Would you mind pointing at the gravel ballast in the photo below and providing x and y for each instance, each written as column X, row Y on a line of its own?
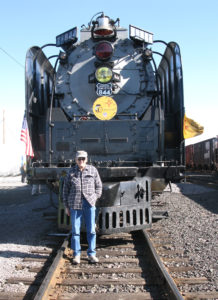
column 193, row 226
column 192, row 223
column 23, row 228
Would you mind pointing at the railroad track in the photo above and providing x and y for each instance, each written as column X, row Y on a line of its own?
column 36, row 264
column 141, row 265
column 125, row 269
column 209, row 178
column 179, row 265
column 129, row 267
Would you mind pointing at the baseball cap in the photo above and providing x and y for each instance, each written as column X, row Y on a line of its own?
column 81, row 153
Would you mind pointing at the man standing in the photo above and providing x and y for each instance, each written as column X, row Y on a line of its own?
column 82, row 187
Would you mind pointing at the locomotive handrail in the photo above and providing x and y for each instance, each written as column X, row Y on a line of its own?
column 51, row 125
column 160, row 140
column 46, row 45
column 135, row 114
column 168, row 63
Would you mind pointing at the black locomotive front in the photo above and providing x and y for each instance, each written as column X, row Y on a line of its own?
column 108, row 97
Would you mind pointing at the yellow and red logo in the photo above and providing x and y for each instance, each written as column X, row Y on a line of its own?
column 104, row 108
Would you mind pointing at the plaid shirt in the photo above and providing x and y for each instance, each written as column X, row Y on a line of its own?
column 78, row 185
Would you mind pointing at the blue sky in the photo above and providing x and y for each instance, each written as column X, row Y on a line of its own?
column 193, row 24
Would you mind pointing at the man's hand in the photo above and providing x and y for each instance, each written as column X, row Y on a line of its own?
column 67, row 211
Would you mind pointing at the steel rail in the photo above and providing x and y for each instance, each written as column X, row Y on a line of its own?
column 45, row 288
column 43, row 291
column 174, row 293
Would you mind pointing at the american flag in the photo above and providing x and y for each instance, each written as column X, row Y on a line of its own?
column 25, row 137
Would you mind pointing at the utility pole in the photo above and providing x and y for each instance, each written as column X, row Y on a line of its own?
column 3, row 135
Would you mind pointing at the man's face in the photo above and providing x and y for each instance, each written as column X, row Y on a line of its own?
column 81, row 162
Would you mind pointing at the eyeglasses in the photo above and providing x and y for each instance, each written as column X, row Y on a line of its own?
column 81, row 158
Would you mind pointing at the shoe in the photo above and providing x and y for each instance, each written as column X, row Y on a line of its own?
column 93, row 259
column 76, row 260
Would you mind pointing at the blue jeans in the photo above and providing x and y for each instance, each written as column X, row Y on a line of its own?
column 88, row 212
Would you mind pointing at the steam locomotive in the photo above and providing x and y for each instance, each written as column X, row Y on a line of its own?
column 106, row 95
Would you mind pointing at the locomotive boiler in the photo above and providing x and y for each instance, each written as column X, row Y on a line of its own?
column 106, row 95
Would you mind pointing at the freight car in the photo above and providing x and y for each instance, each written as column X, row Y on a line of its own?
column 202, row 155
column 106, row 95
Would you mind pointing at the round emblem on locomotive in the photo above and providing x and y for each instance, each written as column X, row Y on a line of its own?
column 104, row 108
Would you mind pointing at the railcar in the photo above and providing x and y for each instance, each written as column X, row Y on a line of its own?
column 202, row 155
column 189, row 156
column 106, row 94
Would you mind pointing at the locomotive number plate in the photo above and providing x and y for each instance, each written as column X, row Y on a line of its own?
column 104, row 89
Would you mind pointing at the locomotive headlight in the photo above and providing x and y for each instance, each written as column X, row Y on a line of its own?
column 104, row 50
column 103, row 74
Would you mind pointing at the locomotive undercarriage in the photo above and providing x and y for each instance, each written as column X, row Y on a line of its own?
column 125, row 204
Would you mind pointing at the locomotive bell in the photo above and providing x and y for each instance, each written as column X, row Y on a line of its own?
column 103, row 26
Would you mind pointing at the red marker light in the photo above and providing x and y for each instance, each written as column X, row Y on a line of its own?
column 103, row 50
column 103, row 32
